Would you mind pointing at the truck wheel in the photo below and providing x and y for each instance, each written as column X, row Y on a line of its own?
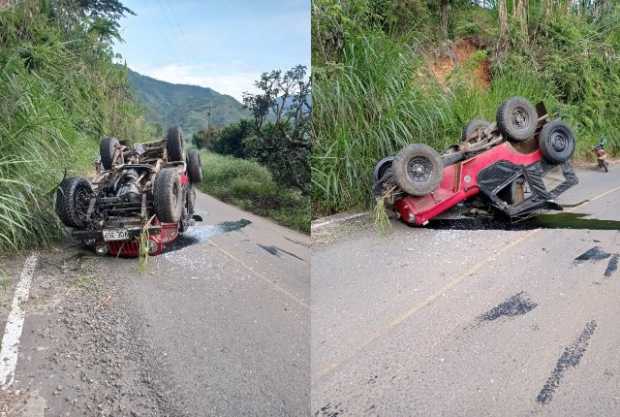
column 517, row 119
column 191, row 201
column 382, row 168
column 417, row 169
column 556, row 142
column 72, row 201
column 174, row 144
column 107, row 148
column 168, row 196
column 473, row 128
column 194, row 166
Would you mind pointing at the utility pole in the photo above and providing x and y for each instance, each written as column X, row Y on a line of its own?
column 209, row 107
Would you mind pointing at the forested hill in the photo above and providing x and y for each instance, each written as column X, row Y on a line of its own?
column 188, row 106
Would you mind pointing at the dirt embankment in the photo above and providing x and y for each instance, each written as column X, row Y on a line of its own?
column 455, row 55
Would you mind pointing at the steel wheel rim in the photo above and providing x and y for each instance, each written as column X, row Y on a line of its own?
column 559, row 140
column 419, row 169
column 520, row 118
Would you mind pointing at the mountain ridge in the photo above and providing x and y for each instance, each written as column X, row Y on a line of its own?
column 171, row 104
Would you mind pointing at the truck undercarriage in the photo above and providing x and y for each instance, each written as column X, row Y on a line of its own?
column 141, row 197
column 499, row 166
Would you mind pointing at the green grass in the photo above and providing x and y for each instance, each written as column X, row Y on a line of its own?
column 250, row 186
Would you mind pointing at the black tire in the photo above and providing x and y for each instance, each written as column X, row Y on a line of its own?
column 382, row 168
column 168, row 196
column 72, row 201
column 473, row 127
column 517, row 119
column 556, row 142
column 107, row 147
column 417, row 169
column 174, row 144
column 194, row 166
column 191, row 201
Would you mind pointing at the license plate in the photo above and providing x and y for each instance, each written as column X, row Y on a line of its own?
column 115, row 234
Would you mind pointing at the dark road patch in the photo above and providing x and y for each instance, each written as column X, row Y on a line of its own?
column 593, row 254
column 564, row 220
column 297, row 242
column 330, row 410
column 275, row 251
column 570, row 359
column 202, row 233
column 612, row 265
column 516, row 305
column 233, row 226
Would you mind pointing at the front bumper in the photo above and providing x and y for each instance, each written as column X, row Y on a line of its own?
column 157, row 237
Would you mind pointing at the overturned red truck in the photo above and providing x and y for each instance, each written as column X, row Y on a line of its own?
column 497, row 166
column 141, row 198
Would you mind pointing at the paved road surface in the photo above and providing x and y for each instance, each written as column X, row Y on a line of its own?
column 466, row 322
column 217, row 327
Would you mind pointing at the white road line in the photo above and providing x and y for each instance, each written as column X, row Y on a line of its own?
column 15, row 324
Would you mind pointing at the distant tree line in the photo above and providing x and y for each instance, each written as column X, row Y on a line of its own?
column 278, row 135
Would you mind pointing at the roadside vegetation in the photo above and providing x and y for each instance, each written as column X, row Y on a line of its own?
column 250, row 186
column 391, row 72
column 60, row 93
column 262, row 164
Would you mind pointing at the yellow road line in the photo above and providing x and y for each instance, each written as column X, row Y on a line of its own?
column 275, row 286
column 417, row 307
column 606, row 193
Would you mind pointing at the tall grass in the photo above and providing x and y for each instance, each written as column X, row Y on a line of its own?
column 249, row 185
column 36, row 138
column 60, row 92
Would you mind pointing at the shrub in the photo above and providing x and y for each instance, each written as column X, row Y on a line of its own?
column 251, row 186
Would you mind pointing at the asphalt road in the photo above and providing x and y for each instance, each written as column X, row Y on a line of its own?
column 470, row 321
column 219, row 326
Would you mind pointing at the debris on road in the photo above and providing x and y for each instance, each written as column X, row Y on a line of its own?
column 612, row 266
column 516, row 305
column 570, row 359
column 593, row 254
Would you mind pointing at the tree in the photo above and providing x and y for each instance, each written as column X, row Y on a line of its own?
column 203, row 139
column 281, row 113
column 443, row 17
column 231, row 139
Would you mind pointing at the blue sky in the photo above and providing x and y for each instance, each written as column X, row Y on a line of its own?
column 221, row 44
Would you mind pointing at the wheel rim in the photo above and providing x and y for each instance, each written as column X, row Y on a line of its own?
column 520, row 118
column 559, row 140
column 419, row 169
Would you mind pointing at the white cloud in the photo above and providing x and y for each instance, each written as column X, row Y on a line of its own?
column 233, row 83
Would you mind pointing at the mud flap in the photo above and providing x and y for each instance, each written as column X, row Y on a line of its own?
column 497, row 177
